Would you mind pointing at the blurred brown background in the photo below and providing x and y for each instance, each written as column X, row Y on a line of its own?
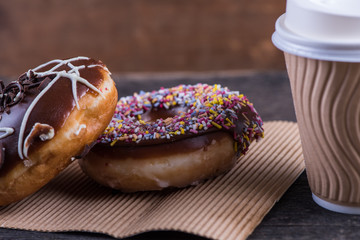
column 141, row 35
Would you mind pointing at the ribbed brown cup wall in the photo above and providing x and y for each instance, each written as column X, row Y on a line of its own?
column 327, row 103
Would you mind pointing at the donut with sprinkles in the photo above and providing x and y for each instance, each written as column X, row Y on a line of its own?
column 173, row 137
column 48, row 117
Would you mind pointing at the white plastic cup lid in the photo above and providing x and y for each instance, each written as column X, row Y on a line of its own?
column 320, row 29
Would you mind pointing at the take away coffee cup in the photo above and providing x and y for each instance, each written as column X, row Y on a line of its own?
column 321, row 44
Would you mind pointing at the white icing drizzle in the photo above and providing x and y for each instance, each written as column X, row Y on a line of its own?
column 82, row 126
column 60, row 63
column 17, row 96
column 7, row 132
column 73, row 75
column 98, row 65
column 43, row 137
column 74, row 79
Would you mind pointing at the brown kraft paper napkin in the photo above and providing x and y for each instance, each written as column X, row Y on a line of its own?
column 227, row 207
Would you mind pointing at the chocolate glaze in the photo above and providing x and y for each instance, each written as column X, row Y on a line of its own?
column 52, row 109
column 39, row 130
column 198, row 142
column 156, row 113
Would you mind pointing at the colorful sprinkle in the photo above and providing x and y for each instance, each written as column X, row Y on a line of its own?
column 206, row 107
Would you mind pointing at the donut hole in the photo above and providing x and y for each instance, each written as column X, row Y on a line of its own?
column 162, row 113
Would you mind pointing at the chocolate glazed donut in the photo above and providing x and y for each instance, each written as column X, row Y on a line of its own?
column 173, row 138
column 50, row 116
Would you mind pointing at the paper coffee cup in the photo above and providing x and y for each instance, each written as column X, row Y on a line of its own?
column 321, row 42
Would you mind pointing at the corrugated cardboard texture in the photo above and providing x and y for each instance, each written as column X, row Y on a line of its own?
column 227, row 207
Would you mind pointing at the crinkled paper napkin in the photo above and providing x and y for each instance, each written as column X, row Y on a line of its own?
column 227, row 207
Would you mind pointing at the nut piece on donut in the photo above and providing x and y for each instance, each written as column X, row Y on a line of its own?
column 173, row 138
column 48, row 117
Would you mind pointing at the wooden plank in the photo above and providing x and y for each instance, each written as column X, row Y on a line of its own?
column 141, row 35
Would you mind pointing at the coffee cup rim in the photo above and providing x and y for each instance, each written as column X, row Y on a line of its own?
column 290, row 42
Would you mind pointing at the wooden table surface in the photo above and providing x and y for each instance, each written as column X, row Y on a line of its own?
column 295, row 216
